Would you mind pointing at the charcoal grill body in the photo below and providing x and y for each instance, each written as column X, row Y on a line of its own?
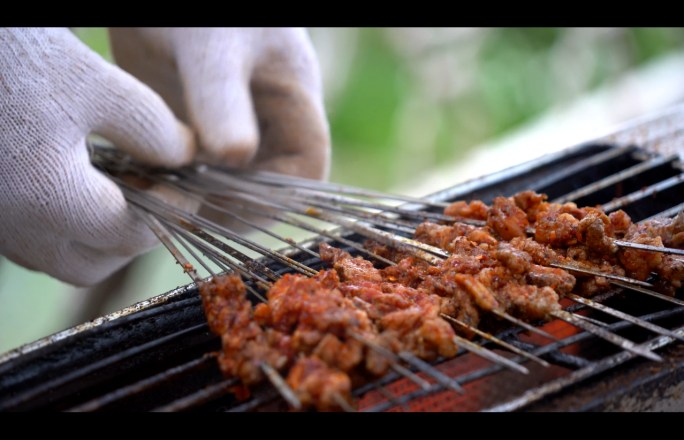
column 89, row 361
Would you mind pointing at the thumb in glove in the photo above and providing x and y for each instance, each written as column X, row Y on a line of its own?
column 58, row 214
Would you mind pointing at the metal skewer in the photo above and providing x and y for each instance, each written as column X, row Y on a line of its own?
column 608, row 336
column 222, row 261
column 592, row 320
column 524, row 325
column 496, row 340
column 308, row 227
column 191, row 252
column 628, row 244
column 163, row 236
column 188, row 221
column 673, row 300
column 413, row 247
column 646, row 247
column 597, row 273
column 440, row 377
column 279, row 383
column 489, row 355
column 300, row 182
column 396, row 366
column 624, row 316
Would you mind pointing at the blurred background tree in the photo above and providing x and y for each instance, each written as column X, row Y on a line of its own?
column 401, row 102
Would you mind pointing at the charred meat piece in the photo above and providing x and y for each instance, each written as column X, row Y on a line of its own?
column 480, row 294
column 384, row 251
column 407, row 315
column 671, row 269
column 670, row 230
column 516, row 260
column 556, row 229
column 530, row 303
column 245, row 344
column 540, row 253
column 531, row 203
column 441, row 235
column 408, row 272
column 317, row 385
column 572, row 209
column 318, row 319
column 476, row 210
column 620, row 223
column 463, row 246
column 349, row 268
column 638, row 263
column 594, row 231
column 558, row 279
column 506, row 219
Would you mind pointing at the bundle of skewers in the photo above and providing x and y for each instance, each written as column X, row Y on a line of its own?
column 425, row 285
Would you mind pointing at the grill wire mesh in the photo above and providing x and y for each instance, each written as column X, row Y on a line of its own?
column 160, row 358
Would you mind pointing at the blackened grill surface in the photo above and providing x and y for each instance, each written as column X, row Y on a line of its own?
column 66, row 373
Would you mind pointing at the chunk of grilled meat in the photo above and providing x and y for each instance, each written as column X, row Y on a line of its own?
column 245, row 344
column 442, row 235
column 595, row 231
column 670, row 230
column 347, row 267
column 316, row 384
column 318, row 318
column 556, row 229
column 531, row 203
column 506, row 219
column 637, row 263
column 475, row 210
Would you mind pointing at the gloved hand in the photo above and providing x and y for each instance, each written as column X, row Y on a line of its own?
column 57, row 213
column 253, row 96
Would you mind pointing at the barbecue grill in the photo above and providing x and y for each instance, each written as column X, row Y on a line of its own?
column 158, row 354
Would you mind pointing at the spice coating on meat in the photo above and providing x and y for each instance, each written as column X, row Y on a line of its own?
column 245, row 344
column 411, row 316
column 482, row 296
column 516, row 260
column 408, row 272
column 541, row 254
column 593, row 231
column 318, row 319
column 347, row 267
column 556, row 229
column 670, row 230
column 671, row 269
column 639, row 264
column 620, row 223
column 531, row 203
column 315, row 384
column 529, row 302
column 476, row 210
column 506, row 219
column 441, row 235
column 558, row 279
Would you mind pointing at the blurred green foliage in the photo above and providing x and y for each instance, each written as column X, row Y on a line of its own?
column 515, row 75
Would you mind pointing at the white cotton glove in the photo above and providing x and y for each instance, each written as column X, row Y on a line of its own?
column 58, row 214
column 252, row 96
